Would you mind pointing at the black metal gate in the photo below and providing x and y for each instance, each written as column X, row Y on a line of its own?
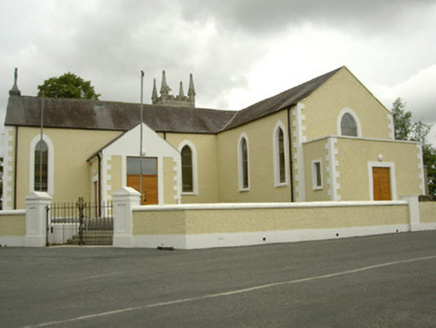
column 80, row 223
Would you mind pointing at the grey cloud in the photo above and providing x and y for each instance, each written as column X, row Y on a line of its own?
column 109, row 42
column 275, row 15
column 110, row 50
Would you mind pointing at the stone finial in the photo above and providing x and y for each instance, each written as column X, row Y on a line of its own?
column 191, row 91
column 154, row 93
column 181, row 93
column 15, row 91
column 164, row 89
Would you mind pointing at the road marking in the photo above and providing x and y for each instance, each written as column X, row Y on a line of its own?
column 232, row 292
column 98, row 276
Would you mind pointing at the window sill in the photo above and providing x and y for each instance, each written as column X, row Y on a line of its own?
column 190, row 193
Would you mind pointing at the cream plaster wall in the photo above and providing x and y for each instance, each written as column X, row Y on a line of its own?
column 354, row 155
column 344, row 90
column 209, row 221
column 159, row 223
column 72, row 148
column 93, row 169
column 207, row 159
column 261, row 162
column 12, row 224
column 115, row 172
column 427, row 211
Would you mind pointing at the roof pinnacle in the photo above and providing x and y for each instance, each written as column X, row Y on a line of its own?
column 181, row 93
column 164, row 89
column 154, row 93
column 15, row 91
column 191, row 90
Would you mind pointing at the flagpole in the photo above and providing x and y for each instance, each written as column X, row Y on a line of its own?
column 42, row 137
column 140, row 141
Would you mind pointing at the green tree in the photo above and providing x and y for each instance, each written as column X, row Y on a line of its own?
column 407, row 129
column 68, row 86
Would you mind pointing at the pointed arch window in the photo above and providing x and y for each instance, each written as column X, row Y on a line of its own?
column 187, row 170
column 244, row 172
column 41, row 166
column 188, row 156
column 279, row 154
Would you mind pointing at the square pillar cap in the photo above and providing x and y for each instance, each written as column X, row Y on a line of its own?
column 126, row 191
column 38, row 195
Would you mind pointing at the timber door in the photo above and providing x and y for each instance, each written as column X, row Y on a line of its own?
column 149, row 178
column 381, row 181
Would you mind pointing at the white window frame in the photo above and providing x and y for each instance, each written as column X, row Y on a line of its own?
column 195, row 189
column 240, row 163
column 51, row 167
column 356, row 118
column 315, row 186
column 391, row 166
column 276, row 155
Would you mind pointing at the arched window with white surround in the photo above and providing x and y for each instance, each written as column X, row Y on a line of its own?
column 41, row 165
column 279, row 149
column 188, row 155
column 187, row 174
column 349, row 123
column 243, row 165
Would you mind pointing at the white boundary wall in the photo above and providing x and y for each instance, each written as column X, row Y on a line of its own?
column 184, row 227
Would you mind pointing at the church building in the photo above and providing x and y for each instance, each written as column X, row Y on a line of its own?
column 328, row 139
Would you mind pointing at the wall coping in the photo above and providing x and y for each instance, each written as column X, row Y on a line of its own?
column 236, row 206
column 12, row 212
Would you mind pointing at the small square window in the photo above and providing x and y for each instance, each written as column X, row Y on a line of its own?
column 317, row 174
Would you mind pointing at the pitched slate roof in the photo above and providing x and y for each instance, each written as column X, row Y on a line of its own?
column 106, row 115
column 276, row 103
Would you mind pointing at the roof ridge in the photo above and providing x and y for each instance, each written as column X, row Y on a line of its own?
column 291, row 98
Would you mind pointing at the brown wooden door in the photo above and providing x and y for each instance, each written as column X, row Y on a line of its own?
column 381, row 183
column 149, row 185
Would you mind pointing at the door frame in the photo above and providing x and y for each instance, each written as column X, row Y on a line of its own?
column 157, row 175
column 392, row 175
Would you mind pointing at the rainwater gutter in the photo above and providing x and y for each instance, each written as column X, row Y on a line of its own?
column 99, row 183
column 15, row 167
column 290, row 155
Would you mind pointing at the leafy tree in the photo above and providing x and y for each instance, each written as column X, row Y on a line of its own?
column 407, row 129
column 68, row 86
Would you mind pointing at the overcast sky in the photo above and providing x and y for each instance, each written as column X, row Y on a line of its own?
column 239, row 51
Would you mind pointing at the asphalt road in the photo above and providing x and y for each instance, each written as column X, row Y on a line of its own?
column 383, row 281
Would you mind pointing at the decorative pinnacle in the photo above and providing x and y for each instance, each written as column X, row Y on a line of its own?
column 191, row 90
column 164, row 89
column 15, row 91
column 181, row 93
column 154, row 93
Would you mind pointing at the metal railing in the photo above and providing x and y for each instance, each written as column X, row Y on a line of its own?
column 80, row 217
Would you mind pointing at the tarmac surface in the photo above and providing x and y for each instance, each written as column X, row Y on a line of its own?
column 379, row 281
